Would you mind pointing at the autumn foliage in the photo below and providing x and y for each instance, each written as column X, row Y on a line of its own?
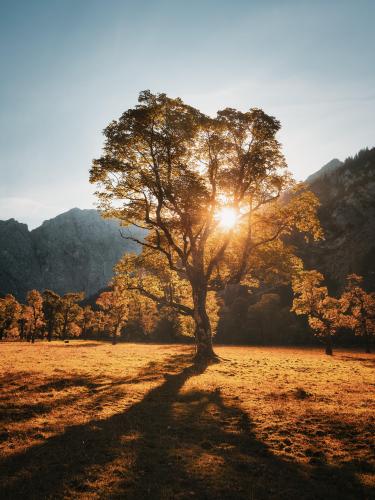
column 354, row 310
column 359, row 307
column 174, row 171
column 322, row 311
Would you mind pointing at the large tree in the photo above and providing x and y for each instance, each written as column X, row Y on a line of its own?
column 207, row 190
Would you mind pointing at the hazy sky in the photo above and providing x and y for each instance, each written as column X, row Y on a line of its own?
column 68, row 67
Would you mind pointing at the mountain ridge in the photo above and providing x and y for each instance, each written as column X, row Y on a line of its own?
column 74, row 251
column 329, row 167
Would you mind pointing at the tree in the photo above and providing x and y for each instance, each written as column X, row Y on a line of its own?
column 115, row 304
column 312, row 299
column 359, row 307
column 267, row 307
column 23, row 322
column 51, row 306
column 143, row 316
column 10, row 310
column 68, row 313
column 87, row 320
column 98, row 323
column 34, row 313
column 207, row 190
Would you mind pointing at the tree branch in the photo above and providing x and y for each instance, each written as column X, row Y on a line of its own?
column 181, row 308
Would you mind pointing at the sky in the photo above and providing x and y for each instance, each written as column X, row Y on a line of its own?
column 69, row 67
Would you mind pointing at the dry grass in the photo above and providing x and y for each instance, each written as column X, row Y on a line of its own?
column 88, row 420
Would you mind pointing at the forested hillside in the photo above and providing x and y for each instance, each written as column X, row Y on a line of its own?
column 347, row 215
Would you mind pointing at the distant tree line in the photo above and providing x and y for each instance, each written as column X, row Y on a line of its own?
column 237, row 316
column 49, row 316
column 303, row 314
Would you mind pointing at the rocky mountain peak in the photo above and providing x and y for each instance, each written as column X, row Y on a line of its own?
column 329, row 167
column 75, row 251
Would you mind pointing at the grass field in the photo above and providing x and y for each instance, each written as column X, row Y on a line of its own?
column 89, row 420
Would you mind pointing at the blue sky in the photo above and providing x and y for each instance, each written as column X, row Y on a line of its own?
column 68, row 67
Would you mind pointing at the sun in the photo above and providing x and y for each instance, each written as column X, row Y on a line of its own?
column 227, row 218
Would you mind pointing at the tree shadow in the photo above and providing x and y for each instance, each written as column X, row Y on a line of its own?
column 171, row 444
column 368, row 361
column 89, row 390
column 73, row 345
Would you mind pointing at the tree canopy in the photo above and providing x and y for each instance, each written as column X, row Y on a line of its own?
column 176, row 172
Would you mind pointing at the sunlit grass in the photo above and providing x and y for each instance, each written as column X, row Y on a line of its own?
column 101, row 420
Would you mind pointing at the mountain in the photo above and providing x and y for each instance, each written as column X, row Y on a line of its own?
column 347, row 214
column 75, row 251
column 328, row 168
column 19, row 267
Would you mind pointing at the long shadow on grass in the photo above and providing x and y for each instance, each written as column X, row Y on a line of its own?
column 171, row 444
column 368, row 361
column 73, row 345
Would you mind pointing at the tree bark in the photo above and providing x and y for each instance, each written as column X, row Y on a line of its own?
column 65, row 328
column 367, row 343
column 329, row 350
column 22, row 329
column 203, row 332
column 49, row 333
column 114, row 337
column 115, row 332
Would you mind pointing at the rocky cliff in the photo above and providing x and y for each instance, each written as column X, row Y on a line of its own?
column 19, row 267
column 347, row 213
column 75, row 251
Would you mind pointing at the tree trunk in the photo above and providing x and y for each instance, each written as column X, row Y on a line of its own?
column 22, row 329
column 49, row 333
column 367, row 343
column 329, row 349
column 65, row 328
column 115, row 332
column 114, row 336
column 203, row 333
